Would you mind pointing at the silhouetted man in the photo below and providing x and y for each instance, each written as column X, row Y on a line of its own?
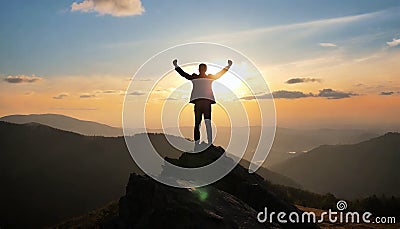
column 202, row 96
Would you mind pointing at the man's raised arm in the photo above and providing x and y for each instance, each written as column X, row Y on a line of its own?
column 223, row 71
column 180, row 70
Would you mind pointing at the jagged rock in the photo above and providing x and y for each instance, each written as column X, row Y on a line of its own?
column 150, row 204
column 232, row 202
column 250, row 188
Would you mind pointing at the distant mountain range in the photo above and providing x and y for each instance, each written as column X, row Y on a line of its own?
column 55, row 174
column 349, row 171
column 50, row 173
column 67, row 123
column 288, row 143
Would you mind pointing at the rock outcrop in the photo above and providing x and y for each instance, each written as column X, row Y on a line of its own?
column 232, row 202
column 150, row 204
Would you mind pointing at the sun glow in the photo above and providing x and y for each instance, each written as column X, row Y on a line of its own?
column 231, row 81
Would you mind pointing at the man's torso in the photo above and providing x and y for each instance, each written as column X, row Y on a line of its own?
column 202, row 89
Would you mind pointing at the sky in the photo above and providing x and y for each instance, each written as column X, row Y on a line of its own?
column 328, row 64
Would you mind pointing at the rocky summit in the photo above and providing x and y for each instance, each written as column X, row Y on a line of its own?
column 232, row 202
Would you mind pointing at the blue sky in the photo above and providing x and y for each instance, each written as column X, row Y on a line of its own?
column 45, row 38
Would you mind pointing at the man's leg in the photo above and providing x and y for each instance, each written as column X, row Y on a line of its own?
column 207, row 120
column 197, row 121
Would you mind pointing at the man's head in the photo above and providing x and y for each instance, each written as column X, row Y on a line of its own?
column 202, row 68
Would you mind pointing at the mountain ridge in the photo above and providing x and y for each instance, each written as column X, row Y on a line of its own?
column 349, row 171
column 68, row 123
column 288, row 143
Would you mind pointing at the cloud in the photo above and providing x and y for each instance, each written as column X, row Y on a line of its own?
column 61, row 96
column 110, row 92
column 29, row 93
column 393, row 43
column 259, row 96
column 117, row 8
column 302, row 80
column 315, row 61
column 169, row 99
column 366, row 58
column 386, row 93
column 87, row 96
column 333, row 94
column 22, row 79
column 321, row 23
column 327, row 45
column 136, row 93
column 281, row 94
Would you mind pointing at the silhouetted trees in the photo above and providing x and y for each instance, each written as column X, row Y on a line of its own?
column 377, row 205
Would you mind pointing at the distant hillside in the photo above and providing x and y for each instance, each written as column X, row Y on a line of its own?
column 67, row 123
column 350, row 171
column 50, row 173
column 288, row 143
column 47, row 175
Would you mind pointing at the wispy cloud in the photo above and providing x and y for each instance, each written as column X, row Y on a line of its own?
column 314, row 61
column 386, row 93
column 366, row 58
column 137, row 93
column 117, row 8
column 381, row 87
column 22, row 79
column 29, row 93
column 395, row 42
column 119, row 92
column 281, row 94
column 333, row 94
column 61, row 96
column 87, row 96
column 324, row 23
column 284, row 94
column 302, row 80
column 327, row 45
column 98, row 93
column 258, row 96
column 169, row 99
